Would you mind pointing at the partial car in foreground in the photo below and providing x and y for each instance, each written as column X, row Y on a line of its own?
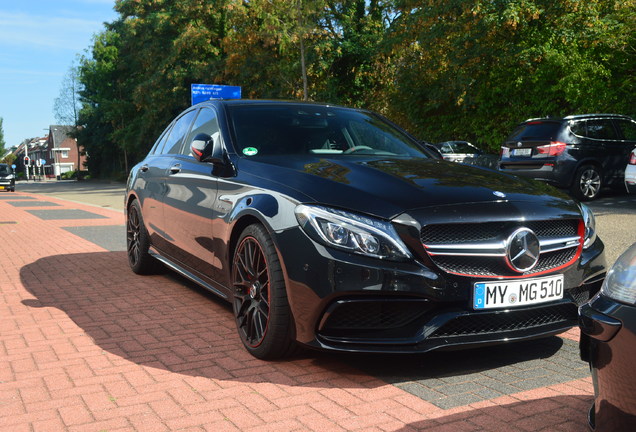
column 630, row 173
column 582, row 153
column 608, row 343
column 7, row 178
column 332, row 228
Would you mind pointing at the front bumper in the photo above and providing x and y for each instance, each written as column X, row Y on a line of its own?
column 348, row 302
column 7, row 185
column 608, row 343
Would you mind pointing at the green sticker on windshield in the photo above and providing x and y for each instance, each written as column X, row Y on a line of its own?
column 250, row 151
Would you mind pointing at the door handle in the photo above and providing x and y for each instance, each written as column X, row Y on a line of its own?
column 144, row 168
column 174, row 169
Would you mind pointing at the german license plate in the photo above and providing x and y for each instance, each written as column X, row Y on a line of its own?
column 522, row 152
column 514, row 293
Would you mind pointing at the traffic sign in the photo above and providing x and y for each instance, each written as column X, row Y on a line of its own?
column 203, row 92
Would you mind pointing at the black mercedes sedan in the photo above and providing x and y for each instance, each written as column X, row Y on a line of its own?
column 608, row 343
column 332, row 228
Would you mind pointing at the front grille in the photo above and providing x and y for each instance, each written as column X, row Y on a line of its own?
column 515, row 320
column 473, row 261
column 458, row 233
column 461, row 233
column 495, row 266
column 554, row 228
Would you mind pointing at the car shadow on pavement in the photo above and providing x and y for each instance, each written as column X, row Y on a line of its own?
column 555, row 413
column 166, row 322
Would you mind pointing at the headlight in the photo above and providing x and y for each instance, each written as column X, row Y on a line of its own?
column 620, row 283
column 352, row 232
column 590, row 226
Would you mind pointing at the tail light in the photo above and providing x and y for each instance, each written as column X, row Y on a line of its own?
column 555, row 148
column 632, row 158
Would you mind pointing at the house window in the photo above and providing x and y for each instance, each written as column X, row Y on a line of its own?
column 64, row 154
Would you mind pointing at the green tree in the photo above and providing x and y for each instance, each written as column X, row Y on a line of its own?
column 2, row 141
column 9, row 159
column 445, row 69
column 66, row 108
column 139, row 72
column 472, row 69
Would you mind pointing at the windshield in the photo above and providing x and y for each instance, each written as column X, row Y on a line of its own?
column 5, row 170
column 306, row 129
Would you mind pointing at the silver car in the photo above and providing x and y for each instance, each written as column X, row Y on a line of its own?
column 458, row 151
column 630, row 173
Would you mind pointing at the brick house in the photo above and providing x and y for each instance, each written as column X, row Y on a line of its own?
column 52, row 155
column 61, row 152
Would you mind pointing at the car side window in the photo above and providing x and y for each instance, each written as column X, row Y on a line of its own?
column 628, row 127
column 601, row 129
column 178, row 133
column 447, row 148
column 578, row 128
column 464, row 148
column 156, row 149
column 207, row 123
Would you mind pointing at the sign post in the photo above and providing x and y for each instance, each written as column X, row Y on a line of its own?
column 27, row 164
column 203, row 92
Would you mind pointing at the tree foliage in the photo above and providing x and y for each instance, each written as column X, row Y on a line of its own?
column 445, row 69
column 2, row 141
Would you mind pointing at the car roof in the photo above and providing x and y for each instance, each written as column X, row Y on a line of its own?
column 236, row 102
column 577, row 117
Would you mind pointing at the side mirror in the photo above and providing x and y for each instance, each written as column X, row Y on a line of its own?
column 206, row 148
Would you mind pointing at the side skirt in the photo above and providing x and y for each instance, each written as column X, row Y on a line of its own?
column 185, row 273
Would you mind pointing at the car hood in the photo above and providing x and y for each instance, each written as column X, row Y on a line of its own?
column 389, row 186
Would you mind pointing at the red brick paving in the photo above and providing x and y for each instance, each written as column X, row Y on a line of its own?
column 86, row 345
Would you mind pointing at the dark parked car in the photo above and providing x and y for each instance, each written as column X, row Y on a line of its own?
column 582, row 153
column 7, row 178
column 332, row 228
column 458, row 151
column 608, row 343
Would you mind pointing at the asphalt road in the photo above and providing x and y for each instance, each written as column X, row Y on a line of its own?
column 615, row 211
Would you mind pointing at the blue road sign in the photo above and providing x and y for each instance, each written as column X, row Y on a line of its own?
column 202, row 92
column 13, row 166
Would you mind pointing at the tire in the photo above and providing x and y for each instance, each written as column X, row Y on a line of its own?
column 587, row 183
column 261, row 310
column 138, row 243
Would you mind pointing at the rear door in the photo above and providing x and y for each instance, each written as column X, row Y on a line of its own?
column 150, row 184
column 602, row 136
column 162, row 167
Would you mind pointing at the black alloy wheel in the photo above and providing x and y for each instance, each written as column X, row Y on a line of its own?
column 587, row 183
column 138, row 242
column 260, row 299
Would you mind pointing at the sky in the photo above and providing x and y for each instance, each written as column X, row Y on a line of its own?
column 39, row 41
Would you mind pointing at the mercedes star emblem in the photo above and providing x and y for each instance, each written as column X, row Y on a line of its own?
column 522, row 250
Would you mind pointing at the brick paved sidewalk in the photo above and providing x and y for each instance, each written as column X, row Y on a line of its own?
column 86, row 345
